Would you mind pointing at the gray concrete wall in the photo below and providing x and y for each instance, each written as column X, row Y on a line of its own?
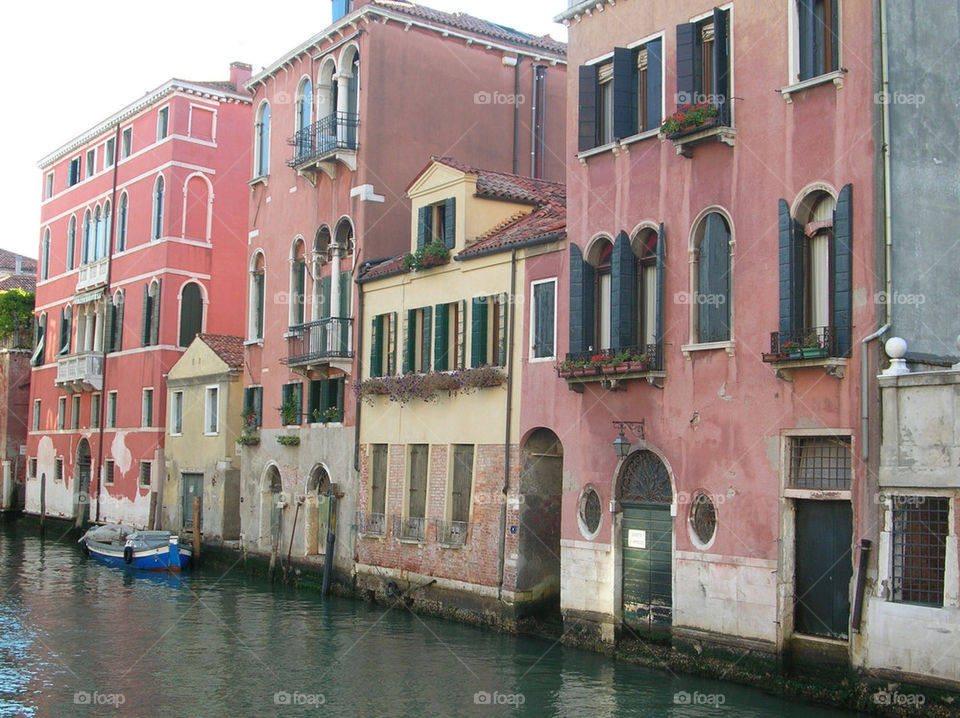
column 924, row 100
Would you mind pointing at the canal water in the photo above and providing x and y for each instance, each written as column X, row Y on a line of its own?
column 78, row 638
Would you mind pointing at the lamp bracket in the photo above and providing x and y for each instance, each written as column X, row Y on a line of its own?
column 634, row 427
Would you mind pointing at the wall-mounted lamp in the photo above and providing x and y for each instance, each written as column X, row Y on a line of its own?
column 621, row 445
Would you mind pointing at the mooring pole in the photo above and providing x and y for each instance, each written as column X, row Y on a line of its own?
column 331, row 539
column 196, row 529
column 43, row 501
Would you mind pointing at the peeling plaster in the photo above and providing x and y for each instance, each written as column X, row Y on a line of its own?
column 121, row 454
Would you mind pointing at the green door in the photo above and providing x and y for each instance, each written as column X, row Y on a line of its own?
column 647, row 554
column 824, row 532
column 192, row 487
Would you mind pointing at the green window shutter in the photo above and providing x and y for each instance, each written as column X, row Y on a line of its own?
column 462, row 478
column 842, row 263
column 424, row 226
column 588, row 91
column 624, row 92
column 338, row 394
column 623, row 287
column 298, row 398
column 145, row 321
column 713, row 275
column 325, row 297
column 346, row 297
column 790, row 251
column 688, row 50
column 582, row 279
column 410, row 340
column 427, row 319
column 301, row 291
column 652, row 112
column 258, row 398
column 502, row 331
column 661, row 255
column 720, row 70
column 155, row 321
column 441, row 337
column 544, row 309
column 325, row 391
column 807, row 27
column 258, row 319
column 478, row 332
column 118, row 325
column 461, row 334
column 450, row 223
column 392, row 343
column 835, row 35
column 109, row 317
column 376, row 347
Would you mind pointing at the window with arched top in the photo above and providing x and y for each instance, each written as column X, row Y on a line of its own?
column 326, row 89
column 150, row 336
column 71, row 242
column 121, row 240
column 196, row 209
column 89, row 229
column 304, row 104
column 157, row 224
column 66, row 329
column 45, row 255
column 647, row 251
column 644, row 479
column 39, row 341
column 256, row 299
column 191, row 313
column 298, row 283
column 261, row 155
column 711, row 291
column 600, row 258
column 114, row 332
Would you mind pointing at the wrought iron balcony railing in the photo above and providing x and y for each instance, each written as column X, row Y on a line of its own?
column 411, row 528
column 314, row 142
column 803, row 343
column 371, row 524
column 452, row 533
column 321, row 340
column 620, row 360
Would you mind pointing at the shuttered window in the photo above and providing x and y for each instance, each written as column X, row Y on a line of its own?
column 291, row 407
column 582, row 295
column 624, row 291
column 818, row 26
column 253, row 402
column 417, row 484
column 488, row 331
column 66, row 322
column 543, row 321
column 461, row 484
column 712, row 297
column 703, row 63
column 383, row 345
column 417, row 340
column 325, row 400
column 437, row 223
column 378, row 478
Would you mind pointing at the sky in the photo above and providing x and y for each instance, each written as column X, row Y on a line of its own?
column 72, row 64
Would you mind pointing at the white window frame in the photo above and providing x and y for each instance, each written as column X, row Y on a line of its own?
column 533, row 321
column 78, row 160
column 109, row 152
column 95, row 401
column 91, row 163
column 211, row 410
column 126, row 142
column 163, row 123
column 176, row 413
column 146, row 419
column 36, row 415
column 61, row 412
column 48, row 186
column 111, row 421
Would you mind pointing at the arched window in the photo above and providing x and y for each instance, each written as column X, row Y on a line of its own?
column 86, row 252
column 45, row 255
column 196, row 209
column 304, row 104
column 647, row 252
column 261, row 166
column 71, row 243
column 326, row 89
column 158, row 208
column 191, row 313
column 114, row 333
column 151, row 314
column 711, row 291
column 321, row 284
column 66, row 326
column 40, row 341
column 298, row 283
column 121, row 243
column 256, row 299
column 104, row 240
column 99, row 233
column 599, row 257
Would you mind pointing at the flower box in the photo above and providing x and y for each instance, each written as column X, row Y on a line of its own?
column 813, row 352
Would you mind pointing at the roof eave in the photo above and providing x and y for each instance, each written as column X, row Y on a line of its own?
column 532, row 242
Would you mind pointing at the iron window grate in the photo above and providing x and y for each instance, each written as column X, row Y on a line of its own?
column 820, row 463
column 920, row 525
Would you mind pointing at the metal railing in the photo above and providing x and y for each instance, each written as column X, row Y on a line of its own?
column 323, row 339
column 452, row 533
column 651, row 351
column 333, row 132
column 92, row 275
column 802, row 343
column 85, row 368
column 412, row 528
column 371, row 524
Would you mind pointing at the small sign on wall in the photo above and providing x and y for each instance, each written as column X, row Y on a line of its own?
column 636, row 538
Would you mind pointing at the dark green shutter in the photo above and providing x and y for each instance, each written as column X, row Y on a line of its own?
column 623, row 288
column 544, row 306
column 688, row 45
column 624, row 92
column 835, row 35
column 147, row 313
column 298, row 397
column 791, row 271
column 410, row 340
column 325, row 392
column 109, row 317
column 713, row 281
column 652, row 112
column 842, row 264
column 118, row 324
column 392, row 343
column 502, row 331
column 661, row 257
column 339, row 397
column 346, row 287
column 720, row 69
column 807, row 35
column 258, row 320
column 325, row 308
column 427, row 319
column 588, row 92
column 376, row 347
column 461, row 334
column 424, row 228
column 301, row 290
column 155, row 320
column 441, row 337
column 450, row 223
column 478, row 332
column 582, row 278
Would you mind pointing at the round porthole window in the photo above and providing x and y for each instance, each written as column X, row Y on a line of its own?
column 591, row 512
column 703, row 519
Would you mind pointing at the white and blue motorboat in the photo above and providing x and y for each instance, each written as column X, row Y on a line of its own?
column 122, row 546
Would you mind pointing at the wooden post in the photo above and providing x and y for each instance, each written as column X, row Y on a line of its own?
column 43, row 501
column 196, row 528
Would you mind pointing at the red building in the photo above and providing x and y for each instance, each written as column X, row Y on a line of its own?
column 143, row 233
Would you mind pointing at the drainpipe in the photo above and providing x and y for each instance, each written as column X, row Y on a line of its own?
column 864, row 440
column 358, row 341
column 106, row 296
column 515, row 61
column 885, row 148
column 511, row 315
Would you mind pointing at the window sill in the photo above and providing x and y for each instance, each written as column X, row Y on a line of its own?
column 833, row 366
column 541, row 360
column 253, row 342
column 684, row 142
column 262, row 179
column 834, row 494
column 639, row 137
column 613, row 147
column 836, row 77
column 727, row 346
column 450, row 546
column 415, row 541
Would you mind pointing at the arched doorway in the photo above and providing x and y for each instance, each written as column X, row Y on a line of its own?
column 645, row 495
column 317, row 506
column 271, row 515
column 541, row 486
column 82, row 495
column 191, row 313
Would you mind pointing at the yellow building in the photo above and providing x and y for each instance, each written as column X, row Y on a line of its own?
column 204, row 420
column 445, row 336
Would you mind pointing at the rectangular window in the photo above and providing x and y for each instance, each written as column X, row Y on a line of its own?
column 108, row 471
column 448, row 336
column 36, row 415
column 32, row 468
column 176, row 413
column 291, row 408
column 61, row 412
column 649, row 84
column 74, row 174
column 605, row 104
column 95, row 411
column 487, row 331
column 920, row 530
column 126, row 143
column 462, row 481
column 382, row 345
column 58, row 469
column 417, row 343
column 211, row 410
column 163, row 117
column 91, row 161
column 109, row 153
column 48, row 186
column 543, row 312
column 252, row 407
column 146, row 472
column 146, row 408
column 378, row 479
column 75, row 411
column 818, row 34
column 819, row 463
column 112, row 410
column 703, row 63
column 414, row 523
column 325, row 400
column 437, row 223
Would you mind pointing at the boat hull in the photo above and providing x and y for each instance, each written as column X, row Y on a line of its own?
column 146, row 559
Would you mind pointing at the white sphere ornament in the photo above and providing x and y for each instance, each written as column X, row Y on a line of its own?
column 896, row 349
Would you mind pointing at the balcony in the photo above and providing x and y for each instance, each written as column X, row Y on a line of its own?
column 321, row 145
column 90, row 276
column 410, row 528
column 371, row 524
column 325, row 341
column 80, row 372
column 612, row 367
column 715, row 131
column 803, row 348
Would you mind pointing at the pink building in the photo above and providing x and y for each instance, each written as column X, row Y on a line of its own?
column 143, row 234
column 342, row 122
column 719, row 287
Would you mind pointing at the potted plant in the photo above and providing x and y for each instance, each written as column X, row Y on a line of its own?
column 285, row 440
column 249, row 436
column 813, row 347
column 290, row 411
column 429, row 255
column 332, row 413
column 792, row 350
column 689, row 118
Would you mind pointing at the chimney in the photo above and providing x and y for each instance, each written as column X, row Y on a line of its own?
column 345, row 7
column 240, row 72
column 19, row 266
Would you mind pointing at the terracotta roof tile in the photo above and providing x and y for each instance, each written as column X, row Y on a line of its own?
column 227, row 347
column 478, row 26
column 8, row 260
column 393, row 265
column 26, row 282
column 503, row 185
column 549, row 220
